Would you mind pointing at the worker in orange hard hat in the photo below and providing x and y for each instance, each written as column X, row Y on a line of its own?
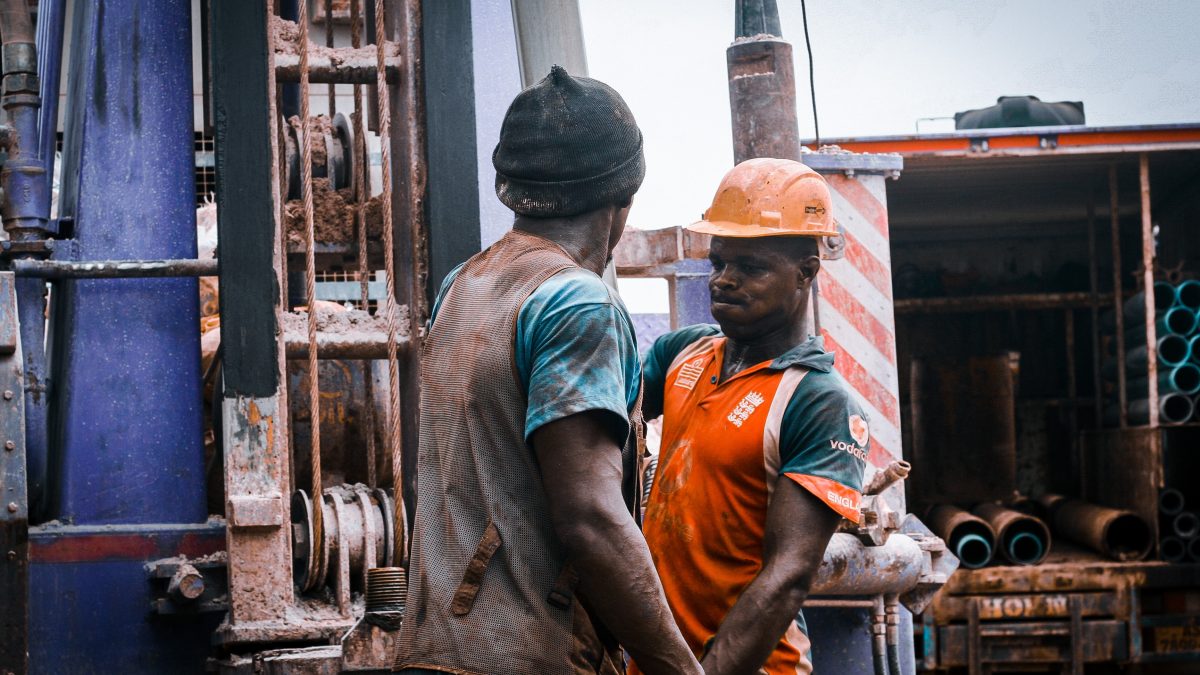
column 763, row 443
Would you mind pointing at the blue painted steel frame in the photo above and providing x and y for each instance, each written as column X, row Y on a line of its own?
column 127, row 400
column 127, row 458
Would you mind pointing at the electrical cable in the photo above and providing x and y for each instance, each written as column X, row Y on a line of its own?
column 812, row 87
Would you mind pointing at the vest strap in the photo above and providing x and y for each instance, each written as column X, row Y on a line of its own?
column 464, row 597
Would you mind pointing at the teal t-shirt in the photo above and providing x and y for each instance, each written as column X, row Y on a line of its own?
column 575, row 348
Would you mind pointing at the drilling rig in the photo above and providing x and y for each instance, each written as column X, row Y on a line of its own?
column 218, row 474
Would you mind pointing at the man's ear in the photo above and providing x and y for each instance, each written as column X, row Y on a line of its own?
column 808, row 271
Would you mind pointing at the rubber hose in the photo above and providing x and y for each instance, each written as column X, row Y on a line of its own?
column 879, row 656
column 893, row 659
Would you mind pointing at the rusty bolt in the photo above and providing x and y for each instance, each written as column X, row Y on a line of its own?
column 12, row 507
column 187, row 584
column 9, row 445
column 8, row 394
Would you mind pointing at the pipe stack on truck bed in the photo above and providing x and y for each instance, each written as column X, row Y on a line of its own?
column 1177, row 327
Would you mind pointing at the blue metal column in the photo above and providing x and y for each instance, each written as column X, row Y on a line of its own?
column 127, row 459
column 127, row 373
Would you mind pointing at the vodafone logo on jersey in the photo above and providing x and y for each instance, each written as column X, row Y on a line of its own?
column 859, row 430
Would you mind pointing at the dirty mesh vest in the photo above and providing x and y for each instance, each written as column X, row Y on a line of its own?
column 490, row 590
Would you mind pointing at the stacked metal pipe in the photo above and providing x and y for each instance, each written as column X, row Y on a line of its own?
column 1179, row 528
column 1017, row 533
column 1177, row 326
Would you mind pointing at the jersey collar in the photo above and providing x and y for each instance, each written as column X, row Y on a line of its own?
column 810, row 354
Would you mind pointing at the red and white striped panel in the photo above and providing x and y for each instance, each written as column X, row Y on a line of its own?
column 856, row 308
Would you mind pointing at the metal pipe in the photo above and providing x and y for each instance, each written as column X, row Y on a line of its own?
column 1119, row 534
column 1172, row 409
column 1148, row 282
column 1172, row 549
column 879, row 636
column 1165, row 297
column 850, row 568
column 897, row 470
column 114, row 269
column 27, row 220
column 16, row 23
column 1170, row 501
column 1188, row 294
column 1115, row 215
column 1186, row 525
column 993, row 303
column 1094, row 288
column 891, row 604
column 1023, row 539
column 970, row 537
column 1193, row 349
column 50, row 26
column 325, row 69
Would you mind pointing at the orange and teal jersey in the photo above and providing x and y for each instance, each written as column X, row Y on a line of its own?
column 725, row 445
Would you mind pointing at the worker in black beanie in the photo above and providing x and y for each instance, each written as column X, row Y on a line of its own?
column 568, row 145
column 526, row 555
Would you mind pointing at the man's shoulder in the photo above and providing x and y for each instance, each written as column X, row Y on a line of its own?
column 669, row 345
column 572, row 287
column 822, row 399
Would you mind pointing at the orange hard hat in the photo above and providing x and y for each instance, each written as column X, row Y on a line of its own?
column 770, row 198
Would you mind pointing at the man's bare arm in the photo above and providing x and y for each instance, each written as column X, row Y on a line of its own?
column 581, row 473
column 798, row 530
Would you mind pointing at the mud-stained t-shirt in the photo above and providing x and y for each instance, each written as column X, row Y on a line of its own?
column 724, row 447
column 575, row 349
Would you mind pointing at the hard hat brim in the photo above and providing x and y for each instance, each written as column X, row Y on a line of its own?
column 719, row 228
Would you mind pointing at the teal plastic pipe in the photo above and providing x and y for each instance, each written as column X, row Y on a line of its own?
column 1183, row 379
column 1188, row 294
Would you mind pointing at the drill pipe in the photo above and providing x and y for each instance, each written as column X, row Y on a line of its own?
column 1024, row 540
column 1120, row 535
column 1170, row 502
column 1186, row 525
column 896, row 471
column 1173, row 408
column 1172, row 549
column 1134, row 309
column 970, row 537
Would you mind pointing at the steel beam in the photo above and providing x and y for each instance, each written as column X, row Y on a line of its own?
column 254, row 407
column 14, row 506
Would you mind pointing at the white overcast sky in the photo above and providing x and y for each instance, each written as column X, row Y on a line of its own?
column 880, row 65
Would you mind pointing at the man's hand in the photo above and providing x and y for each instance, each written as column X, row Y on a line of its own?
column 581, row 473
column 798, row 530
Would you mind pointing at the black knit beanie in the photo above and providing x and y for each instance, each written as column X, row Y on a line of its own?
column 568, row 145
